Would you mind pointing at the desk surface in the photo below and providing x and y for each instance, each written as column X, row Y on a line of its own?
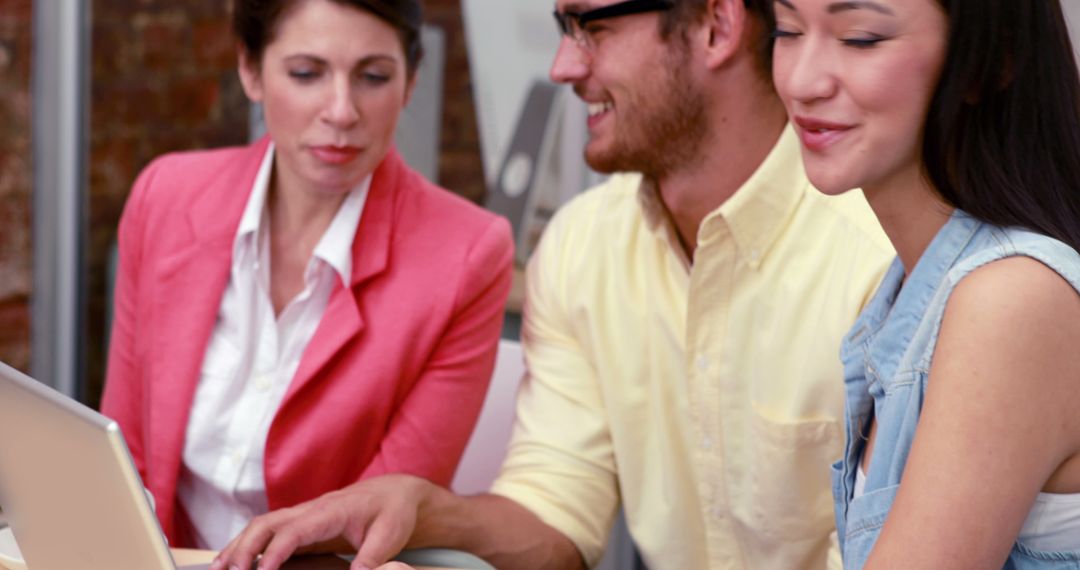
column 184, row 557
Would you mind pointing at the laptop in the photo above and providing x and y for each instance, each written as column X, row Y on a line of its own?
column 68, row 486
column 71, row 493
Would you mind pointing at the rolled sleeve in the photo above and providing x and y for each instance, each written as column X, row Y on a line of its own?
column 560, row 464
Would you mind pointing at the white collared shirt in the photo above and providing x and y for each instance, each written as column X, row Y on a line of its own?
column 249, row 363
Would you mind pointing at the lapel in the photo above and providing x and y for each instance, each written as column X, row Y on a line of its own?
column 343, row 320
column 190, row 283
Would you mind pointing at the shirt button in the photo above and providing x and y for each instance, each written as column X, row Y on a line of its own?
column 236, row 457
column 702, row 364
column 755, row 255
column 262, row 383
column 717, row 513
column 706, row 443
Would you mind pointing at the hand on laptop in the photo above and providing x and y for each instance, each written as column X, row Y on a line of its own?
column 375, row 517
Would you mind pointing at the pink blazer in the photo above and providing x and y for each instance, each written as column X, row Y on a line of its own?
column 396, row 373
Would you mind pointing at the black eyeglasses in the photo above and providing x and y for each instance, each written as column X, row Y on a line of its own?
column 572, row 24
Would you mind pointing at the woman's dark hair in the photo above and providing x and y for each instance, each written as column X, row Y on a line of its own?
column 1002, row 138
column 255, row 22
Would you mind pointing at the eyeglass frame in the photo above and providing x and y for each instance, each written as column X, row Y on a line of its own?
column 624, row 8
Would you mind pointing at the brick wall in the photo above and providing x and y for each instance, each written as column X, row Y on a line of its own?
column 164, row 78
column 460, row 167
column 15, row 181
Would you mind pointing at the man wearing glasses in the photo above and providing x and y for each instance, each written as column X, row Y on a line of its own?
column 681, row 332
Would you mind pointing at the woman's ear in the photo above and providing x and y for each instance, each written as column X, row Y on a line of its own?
column 410, row 86
column 250, row 76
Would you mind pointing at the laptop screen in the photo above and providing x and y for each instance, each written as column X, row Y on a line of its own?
column 68, row 486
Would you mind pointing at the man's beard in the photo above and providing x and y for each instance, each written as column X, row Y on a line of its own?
column 661, row 129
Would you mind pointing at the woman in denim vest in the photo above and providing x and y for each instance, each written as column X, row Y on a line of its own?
column 960, row 119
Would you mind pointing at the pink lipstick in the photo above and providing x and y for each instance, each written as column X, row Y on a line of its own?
column 335, row 155
column 818, row 135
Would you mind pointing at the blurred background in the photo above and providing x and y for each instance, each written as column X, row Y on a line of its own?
column 92, row 91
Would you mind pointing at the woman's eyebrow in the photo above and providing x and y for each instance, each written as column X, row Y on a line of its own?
column 836, row 7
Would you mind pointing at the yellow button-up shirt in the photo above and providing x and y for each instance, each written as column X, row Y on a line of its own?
column 707, row 397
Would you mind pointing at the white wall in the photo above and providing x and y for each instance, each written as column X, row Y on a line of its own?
column 1072, row 14
column 511, row 44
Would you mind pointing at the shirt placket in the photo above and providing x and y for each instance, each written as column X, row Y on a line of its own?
column 708, row 308
column 246, row 417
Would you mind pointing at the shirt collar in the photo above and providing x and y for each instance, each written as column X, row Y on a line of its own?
column 755, row 214
column 335, row 245
column 658, row 218
column 652, row 206
column 252, row 217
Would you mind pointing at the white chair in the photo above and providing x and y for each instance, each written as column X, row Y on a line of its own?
column 483, row 458
column 486, row 449
column 484, row 453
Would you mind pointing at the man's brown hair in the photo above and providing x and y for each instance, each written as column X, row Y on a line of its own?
column 685, row 12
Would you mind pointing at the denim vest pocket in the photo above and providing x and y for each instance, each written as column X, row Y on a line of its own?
column 865, row 517
column 839, row 499
column 1025, row 558
column 788, row 479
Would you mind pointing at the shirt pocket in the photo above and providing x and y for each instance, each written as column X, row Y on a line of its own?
column 788, row 477
column 217, row 389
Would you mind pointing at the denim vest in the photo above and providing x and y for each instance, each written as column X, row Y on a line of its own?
column 887, row 361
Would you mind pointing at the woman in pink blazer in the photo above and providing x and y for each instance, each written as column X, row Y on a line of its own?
column 307, row 311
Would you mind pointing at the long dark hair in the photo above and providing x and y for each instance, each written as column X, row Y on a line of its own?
column 1002, row 138
column 255, row 22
